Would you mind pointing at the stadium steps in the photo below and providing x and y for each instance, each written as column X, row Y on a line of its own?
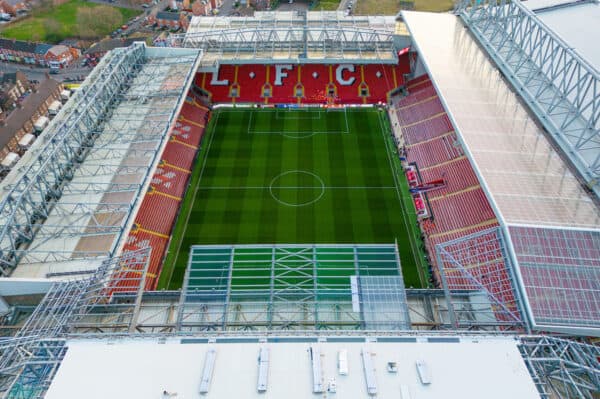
column 451, row 161
column 428, row 118
column 453, row 193
column 416, row 101
column 157, row 213
column 464, row 231
column 430, row 139
column 457, row 175
column 169, row 181
column 427, row 129
column 415, row 87
column 432, row 152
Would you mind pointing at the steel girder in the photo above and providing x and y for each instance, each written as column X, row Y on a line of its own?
column 562, row 368
column 561, row 88
column 462, row 265
column 42, row 180
column 29, row 360
column 331, row 41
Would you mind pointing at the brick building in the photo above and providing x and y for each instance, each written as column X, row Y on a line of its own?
column 21, row 120
column 13, row 86
column 170, row 20
column 36, row 53
column 12, row 7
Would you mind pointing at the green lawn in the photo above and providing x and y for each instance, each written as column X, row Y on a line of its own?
column 327, row 5
column 391, row 7
column 306, row 176
column 33, row 28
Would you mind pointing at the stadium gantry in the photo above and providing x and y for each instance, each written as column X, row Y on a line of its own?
column 294, row 36
column 108, row 306
column 67, row 208
column 513, row 237
column 559, row 86
column 548, row 245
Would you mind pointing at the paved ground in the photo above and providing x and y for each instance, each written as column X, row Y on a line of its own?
column 37, row 73
column 297, row 5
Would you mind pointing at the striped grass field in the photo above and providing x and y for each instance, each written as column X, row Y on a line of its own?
column 287, row 176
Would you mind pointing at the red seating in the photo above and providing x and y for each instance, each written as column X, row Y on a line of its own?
column 427, row 129
column 169, row 181
column 460, row 210
column 179, row 155
column 309, row 84
column 416, row 83
column 420, row 112
column 138, row 240
column 433, row 152
column 159, row 207
column 457, row 176
column 157, row 213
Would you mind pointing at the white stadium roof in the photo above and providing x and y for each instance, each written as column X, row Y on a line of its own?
column 526, row 178
column 127, row 104
column 294, row 367
column 551, row 225
column 577, row 22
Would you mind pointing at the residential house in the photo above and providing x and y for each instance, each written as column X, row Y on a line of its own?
column 20, row 122
column 170, row 20
column 12, row 88
column 60, row 56
column 36, row 53
column 202, row 7
column 12, row 7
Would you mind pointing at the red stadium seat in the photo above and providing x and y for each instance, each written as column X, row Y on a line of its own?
column 306, row 84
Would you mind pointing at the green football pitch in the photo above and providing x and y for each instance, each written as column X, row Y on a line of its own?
column 296, row 176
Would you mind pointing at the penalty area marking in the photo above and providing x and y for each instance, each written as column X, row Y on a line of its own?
column 318, row 197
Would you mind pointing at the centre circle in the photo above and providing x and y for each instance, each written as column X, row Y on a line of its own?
column 296, row 188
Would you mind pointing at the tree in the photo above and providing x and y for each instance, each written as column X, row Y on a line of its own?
column 97, row 21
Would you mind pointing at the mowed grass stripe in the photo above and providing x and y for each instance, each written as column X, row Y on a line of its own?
column 239, row 159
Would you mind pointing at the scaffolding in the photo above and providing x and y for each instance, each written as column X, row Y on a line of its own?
column 560, row 87
column 562, row 368
column 112, row 294
column 478, row 263
column 304, row 287
column 70, row 200
column 292, row 37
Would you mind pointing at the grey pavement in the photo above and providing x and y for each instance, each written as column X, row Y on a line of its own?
column 38, row 73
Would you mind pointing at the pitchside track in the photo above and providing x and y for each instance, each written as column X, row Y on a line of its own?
column 269, row 176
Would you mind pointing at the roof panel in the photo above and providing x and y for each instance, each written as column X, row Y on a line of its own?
column 560, row 270
column 525, row 177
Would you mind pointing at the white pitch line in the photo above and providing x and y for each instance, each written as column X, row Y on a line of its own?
column 296, row 187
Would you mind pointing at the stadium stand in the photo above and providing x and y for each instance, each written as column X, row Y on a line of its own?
column 460, row 207
column 307, row 84
column 457, row 209
column 160, row 206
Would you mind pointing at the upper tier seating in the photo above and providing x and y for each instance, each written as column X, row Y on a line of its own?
column 307, row 84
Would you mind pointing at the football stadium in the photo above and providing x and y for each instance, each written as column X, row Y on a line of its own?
column 310, row 203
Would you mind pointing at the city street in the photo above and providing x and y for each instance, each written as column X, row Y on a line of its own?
column 38, row 73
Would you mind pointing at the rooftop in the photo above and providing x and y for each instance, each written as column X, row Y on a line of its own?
column 574, row 21
column 526, row 178
column 551, row 224
column 29, row 106
column 86, row 222
column 110, row 44
column 293, row 36
column 295, row 367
